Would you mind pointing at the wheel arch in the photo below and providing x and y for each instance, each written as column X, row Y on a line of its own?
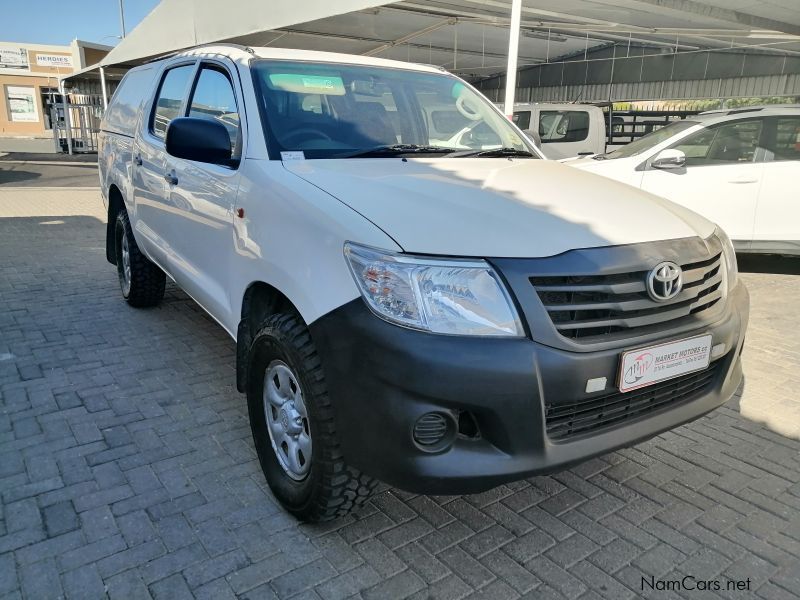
column 260, row 299
column 116, row 203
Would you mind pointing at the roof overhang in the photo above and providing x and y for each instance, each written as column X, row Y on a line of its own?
column 178, row 24
column 469, row 37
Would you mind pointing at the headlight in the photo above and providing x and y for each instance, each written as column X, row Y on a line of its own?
column 729, row 255
column 457, row 297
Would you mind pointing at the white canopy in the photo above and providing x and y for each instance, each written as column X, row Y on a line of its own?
column 176, row 24
column 469, row 37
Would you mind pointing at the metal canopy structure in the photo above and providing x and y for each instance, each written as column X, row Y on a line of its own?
column 467, row 36
column 178, row 24
column 473, row 37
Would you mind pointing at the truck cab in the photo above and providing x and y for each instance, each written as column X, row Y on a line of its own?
column 564, row 130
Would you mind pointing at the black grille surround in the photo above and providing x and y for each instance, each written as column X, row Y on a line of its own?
column 588, row 416
column 587, row 307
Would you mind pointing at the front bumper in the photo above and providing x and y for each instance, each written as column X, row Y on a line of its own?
column 382, row 378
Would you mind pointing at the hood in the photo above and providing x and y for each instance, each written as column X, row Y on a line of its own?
column 597, row 166
column 490, row 207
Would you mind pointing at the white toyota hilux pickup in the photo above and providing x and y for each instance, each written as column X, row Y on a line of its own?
column 444, row 319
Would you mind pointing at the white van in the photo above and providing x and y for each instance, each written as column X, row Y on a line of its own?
column 443, row 319
column 563, row 130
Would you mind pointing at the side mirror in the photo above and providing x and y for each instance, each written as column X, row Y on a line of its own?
column 669, row 159
column 533, row 136
column 202, row 140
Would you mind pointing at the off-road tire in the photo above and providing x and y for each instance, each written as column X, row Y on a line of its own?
column 147, row 280
column 332, row 488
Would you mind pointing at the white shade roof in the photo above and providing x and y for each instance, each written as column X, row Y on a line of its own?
column 466, row 36
column 176, row 24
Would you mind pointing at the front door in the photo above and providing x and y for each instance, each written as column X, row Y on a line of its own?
column 721, row 177
column 565, row 133
column 778, row 212
column 202, row 197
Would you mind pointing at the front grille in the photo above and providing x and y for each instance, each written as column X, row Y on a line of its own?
column 595, row 305
column 563, row 421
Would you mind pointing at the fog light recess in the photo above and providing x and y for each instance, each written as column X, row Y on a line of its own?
column 434, row 431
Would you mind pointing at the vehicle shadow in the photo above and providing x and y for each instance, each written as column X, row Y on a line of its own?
column 767, row 263
column 16, row 176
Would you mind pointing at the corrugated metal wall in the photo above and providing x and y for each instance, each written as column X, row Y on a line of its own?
column 626, row 73
column 736, row 87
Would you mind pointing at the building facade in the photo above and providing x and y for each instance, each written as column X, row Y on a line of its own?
column 29, row 89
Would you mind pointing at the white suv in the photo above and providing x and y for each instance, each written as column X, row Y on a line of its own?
column 738, row 167
column 444, row 319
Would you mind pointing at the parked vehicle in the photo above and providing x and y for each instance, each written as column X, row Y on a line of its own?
column 442, row 319
column 563, row 130
column 737, row 167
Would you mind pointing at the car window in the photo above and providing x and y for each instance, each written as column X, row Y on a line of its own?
column 734, row 142
column 446, row 122
column 522, row 119
column 480, row 136
column 786, row 145
column 333, row 111
column 213, row 99
column 563, row 125
column 170, row 98
column 644, row 143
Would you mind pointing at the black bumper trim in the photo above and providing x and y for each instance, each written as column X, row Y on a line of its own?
column 382, row 378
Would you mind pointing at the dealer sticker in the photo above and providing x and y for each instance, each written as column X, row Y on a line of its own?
column 293, row 155
column 646, row 366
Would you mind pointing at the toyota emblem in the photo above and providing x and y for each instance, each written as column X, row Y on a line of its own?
column 664, row 281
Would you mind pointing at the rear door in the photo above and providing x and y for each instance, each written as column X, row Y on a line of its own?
column 721, row 177
column 154, row 221
column 778, row 212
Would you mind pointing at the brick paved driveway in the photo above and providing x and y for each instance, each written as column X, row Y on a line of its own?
column 127, row 469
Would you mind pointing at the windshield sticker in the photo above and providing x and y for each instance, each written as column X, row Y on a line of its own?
column 293, row 155
column 298, row 83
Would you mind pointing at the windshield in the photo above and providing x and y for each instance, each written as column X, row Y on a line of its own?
column 653, row 138
column 329, row 110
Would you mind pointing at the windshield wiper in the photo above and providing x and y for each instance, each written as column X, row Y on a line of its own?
column 396, row 150
column 494, row 152
column 603, row 156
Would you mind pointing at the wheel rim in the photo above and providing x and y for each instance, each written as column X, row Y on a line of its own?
column 287, row 420
column 126, row 264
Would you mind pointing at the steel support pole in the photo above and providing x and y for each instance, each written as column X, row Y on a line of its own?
column 67, row 117
column 103, row 87
column 513, row 51
column 122, row 19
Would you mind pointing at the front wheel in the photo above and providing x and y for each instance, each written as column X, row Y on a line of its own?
column 141, row 281
column 293, row 427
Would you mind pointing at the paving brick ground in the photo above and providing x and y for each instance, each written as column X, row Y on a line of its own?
column 127, row 468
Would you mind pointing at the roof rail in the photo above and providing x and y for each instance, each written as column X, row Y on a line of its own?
column 746, row 109
column 247, row 49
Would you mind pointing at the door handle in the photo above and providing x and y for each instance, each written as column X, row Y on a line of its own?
column 743, row 180
column 137, row 160
column 170, row 178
